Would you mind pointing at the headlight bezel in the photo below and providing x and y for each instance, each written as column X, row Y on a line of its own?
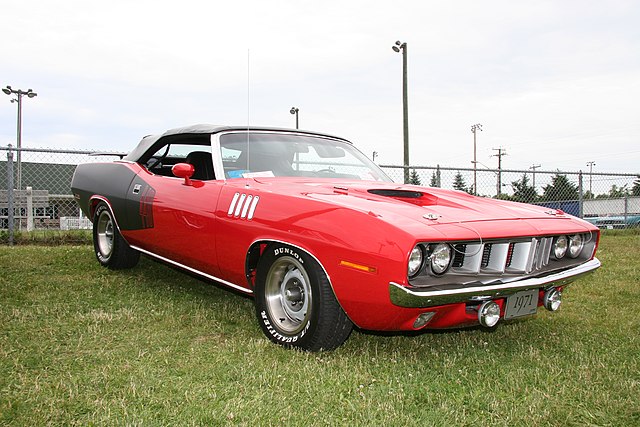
column 440, row 268
column 417, row 250
column 557, row 245
column 575, row 253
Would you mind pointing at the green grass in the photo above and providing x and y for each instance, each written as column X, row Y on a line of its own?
column 82, row 345
column 50, row 237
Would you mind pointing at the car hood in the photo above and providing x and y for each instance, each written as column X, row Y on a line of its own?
column 410, row 208
column 423, row 204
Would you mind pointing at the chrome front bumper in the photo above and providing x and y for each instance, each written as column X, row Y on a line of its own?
column 403, row 296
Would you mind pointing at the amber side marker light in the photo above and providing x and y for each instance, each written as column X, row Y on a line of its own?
column 358, row 267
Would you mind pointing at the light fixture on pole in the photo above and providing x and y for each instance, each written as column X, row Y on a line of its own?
column 295, row 110
column 399, row 46
column 475, row 128
column 19, row 94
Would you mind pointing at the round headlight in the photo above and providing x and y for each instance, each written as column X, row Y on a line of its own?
column 576, row 243
column 415, row 261
column 440, row 258
column 560, row 247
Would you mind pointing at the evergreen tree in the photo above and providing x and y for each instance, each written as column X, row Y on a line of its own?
column 635, row 190
column 435, row 178
column 522, row 191
column 618, row 192
column 414, row 178
column 560, row 189
column 459, row 183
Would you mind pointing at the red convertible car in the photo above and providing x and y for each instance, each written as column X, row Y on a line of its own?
column 322, row 239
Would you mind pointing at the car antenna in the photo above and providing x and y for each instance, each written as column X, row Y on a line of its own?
column 248, row 107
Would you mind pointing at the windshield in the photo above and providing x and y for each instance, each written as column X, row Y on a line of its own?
column 246, row 155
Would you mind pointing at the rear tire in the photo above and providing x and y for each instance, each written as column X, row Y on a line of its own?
column 295, row 304
column 111, row 249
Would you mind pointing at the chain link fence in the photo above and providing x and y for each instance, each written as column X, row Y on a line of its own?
column 608, row 200
column 44, row 204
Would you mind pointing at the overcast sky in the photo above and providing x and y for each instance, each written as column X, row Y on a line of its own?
column 555, row 83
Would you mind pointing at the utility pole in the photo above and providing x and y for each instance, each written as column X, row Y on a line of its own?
column 399, row 46
column 533, row 168
column 591, row 165
column 501, row 152
column 475, row 128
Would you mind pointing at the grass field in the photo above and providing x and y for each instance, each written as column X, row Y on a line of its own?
column 82, row 345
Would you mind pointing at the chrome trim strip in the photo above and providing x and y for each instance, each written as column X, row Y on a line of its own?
column 218, row 167
column 403, row 296
column 252, row 209
column 193, row 270
column 232, row 206
column 239, row 205
column 245, row 208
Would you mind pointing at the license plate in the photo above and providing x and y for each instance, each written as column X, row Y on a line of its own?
column 523, row 303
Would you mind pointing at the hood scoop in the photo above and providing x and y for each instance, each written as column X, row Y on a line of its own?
column 402, row 194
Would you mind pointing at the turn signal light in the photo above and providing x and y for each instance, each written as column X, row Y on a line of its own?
column 489, row 314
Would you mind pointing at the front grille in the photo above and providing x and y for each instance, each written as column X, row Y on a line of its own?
column 502, row 260
column 502, row 257
column 486, row 254
column 458, row 254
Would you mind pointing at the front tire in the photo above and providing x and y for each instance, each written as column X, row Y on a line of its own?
column 111, row 249
column 295, row 304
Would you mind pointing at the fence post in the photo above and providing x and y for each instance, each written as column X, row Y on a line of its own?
column 626, row 209
column 29, row 209
column 580, row 196
column 10, row 194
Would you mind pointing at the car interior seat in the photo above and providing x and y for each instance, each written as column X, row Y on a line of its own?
column 203, row 165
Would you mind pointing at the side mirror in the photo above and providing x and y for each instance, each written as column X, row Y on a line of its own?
column 183, row 170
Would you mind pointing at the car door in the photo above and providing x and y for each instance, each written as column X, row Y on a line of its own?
column 176, row 217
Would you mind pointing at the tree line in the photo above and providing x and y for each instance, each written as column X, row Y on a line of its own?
column 560, row 188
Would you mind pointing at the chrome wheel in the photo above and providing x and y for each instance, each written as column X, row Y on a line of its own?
column 295, row 303
column 288, row 295
column 105, row 234
column 111, row 249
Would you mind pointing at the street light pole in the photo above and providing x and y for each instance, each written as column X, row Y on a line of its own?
column 19, row 93
column 475, row 128
column 405, row 107
column 295, row 110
